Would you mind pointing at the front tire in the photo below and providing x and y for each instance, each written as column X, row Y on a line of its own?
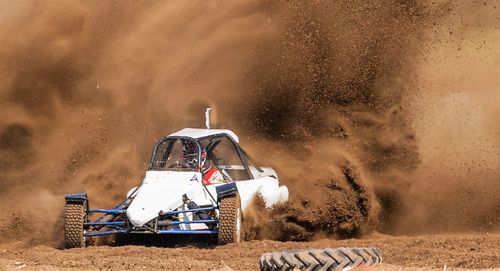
column 74, row 217
column 230, row 217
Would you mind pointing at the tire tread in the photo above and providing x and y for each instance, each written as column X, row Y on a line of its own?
column 319, row 259
column 74, row 215
column 228, row 209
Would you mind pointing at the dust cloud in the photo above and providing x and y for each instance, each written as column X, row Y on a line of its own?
column 339, row 97
column 456, row 118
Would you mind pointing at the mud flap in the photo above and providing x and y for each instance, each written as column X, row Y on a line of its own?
column 226, row 190
column 80, row 198
column 76, row 198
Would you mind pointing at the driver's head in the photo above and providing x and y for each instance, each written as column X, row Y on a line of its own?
column 190, row 153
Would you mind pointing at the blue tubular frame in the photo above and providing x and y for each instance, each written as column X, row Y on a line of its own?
column 121, row 226
column 191, row 210
column 207, row 221
column 110, row 223
column 107, row 211
column 188, row 231
column 100, row 233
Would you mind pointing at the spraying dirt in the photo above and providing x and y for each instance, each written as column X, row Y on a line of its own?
column 340, row 95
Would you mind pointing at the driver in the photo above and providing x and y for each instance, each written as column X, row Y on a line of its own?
column 210, row 174
column 190, row 154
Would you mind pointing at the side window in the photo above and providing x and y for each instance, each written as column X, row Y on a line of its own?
column 252, row 166
column 224, row 155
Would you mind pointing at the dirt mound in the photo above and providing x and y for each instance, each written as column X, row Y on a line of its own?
column 337, row 206
column 337, row 203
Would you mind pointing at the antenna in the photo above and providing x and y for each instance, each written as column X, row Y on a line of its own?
column 207, row 117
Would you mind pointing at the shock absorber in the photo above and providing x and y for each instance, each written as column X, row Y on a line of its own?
column 192, row 205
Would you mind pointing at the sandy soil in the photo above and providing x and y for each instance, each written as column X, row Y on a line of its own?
column 439, row 252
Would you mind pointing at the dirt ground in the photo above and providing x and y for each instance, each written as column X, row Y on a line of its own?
column 438, row 252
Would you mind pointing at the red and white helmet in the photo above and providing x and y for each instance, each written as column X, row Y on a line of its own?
column 190, row 154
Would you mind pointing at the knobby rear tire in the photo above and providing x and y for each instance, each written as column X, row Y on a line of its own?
column 319, row 259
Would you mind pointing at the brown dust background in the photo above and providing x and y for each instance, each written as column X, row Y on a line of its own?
column 378, row 116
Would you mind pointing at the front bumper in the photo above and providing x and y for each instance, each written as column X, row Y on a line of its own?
column 122, row 226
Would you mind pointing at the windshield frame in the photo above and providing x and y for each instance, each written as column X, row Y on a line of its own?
column 174, row 138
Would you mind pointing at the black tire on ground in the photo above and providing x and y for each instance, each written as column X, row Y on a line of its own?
column 319, row 259
column 229, row 220
column 74, row 217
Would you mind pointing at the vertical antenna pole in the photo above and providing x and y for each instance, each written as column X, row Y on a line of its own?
column 207, row 117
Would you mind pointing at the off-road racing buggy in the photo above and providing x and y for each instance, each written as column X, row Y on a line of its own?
column 173, row 198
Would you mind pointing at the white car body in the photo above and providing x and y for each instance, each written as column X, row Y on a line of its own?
column 176, row 198
column 162, row 191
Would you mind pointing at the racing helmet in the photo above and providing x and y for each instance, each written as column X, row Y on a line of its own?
column 190, row 154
